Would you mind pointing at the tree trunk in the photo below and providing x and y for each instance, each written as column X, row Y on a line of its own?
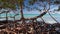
column 14, row 18
column 22, row 15
column 6, row 18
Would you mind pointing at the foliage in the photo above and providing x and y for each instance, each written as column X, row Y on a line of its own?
column 7, row 4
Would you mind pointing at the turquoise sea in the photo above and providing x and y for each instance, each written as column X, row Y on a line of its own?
column 46, row 17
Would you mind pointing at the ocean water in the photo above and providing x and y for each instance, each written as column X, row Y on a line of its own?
column 46, row 17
